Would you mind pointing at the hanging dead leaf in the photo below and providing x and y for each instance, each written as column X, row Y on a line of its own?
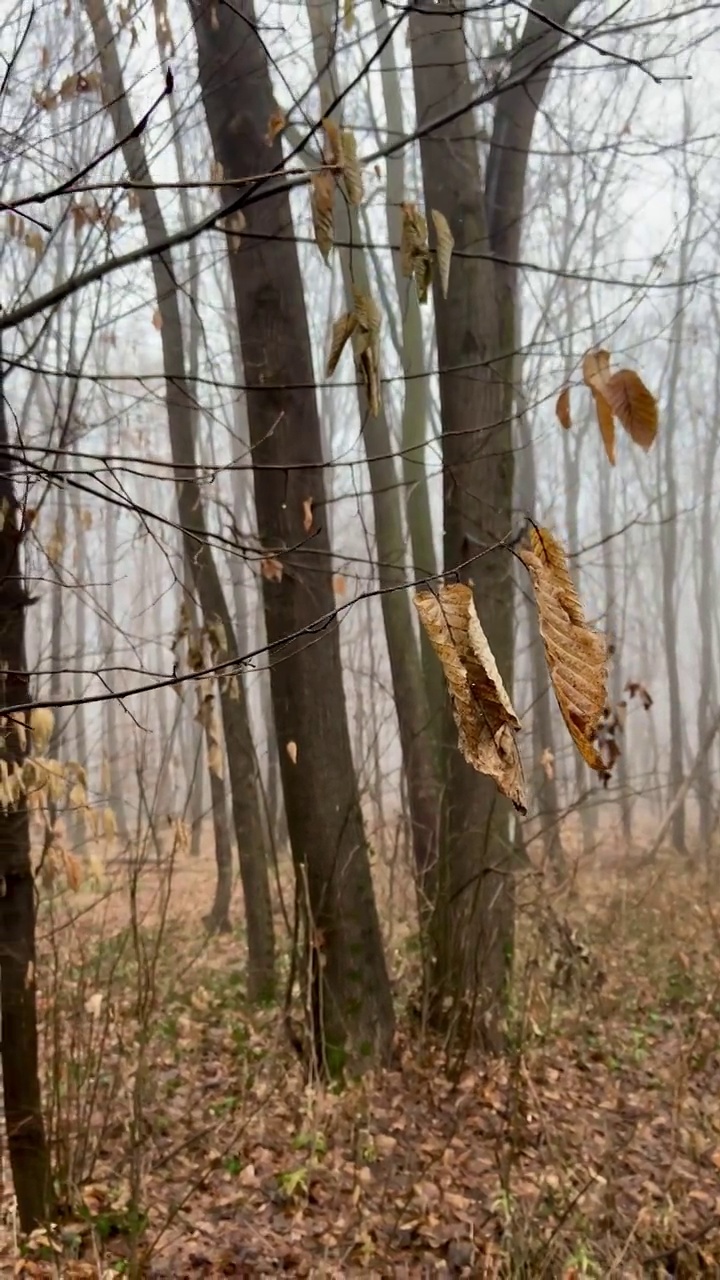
column 276, row 124
column 366, row 342
column 443, row 249
column 339, row 584
column 271, row 569
column 606, row 424
column 333, row 143
column 486, row 721
column 414, row 251
column 307, row 514
column 562, row 409
column 233, row 225
column 215, row 759
column 157, row 319
column 73, row 869
column 342, row 330
column 109, row 823
column 351, row 167
column 322, row 195
column 291, row 748
column 42, row 723
column 576, row 655
column 634, row 405
column 33, row 240
column 547, row 763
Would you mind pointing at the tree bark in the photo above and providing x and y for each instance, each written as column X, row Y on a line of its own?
column 29, row 1157
column 350, row 1003
column 409, row 691
column 475, row 341
column 241, row 760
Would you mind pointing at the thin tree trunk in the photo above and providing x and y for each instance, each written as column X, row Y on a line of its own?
column 616, row 664
column 403, row 651
column 29, row 1157
column 241, row 759
column 117, row 785
column 350, row 1004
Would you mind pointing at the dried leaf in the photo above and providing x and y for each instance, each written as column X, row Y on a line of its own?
column 215, row 759
column 322, row 195
column 42, row 723
column 157, row 319
column 484, row 715
column 351, row 167
column 271, row 569
column 234, row 224
column 415, row 254
column 634, row 405
column 333, row 140
column 576, row 655
column 339, row 584
column 109, row 823
column 342, row 330
column 276, row 124
column 307, row 514
column 367, row 346
column 444, row 248
column 562, row 409
column 291, row 748
column 547, row 763
column 606, row 424
column 73, row 869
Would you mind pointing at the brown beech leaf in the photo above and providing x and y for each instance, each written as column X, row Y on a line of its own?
column 271, row 569
column 339, row 584
column 307, row 514
column 576, row 655
column 606, row 424
column 634, row 405
column 276, row 124
column 444, row 248
column 415, row 254
column 562, row 409
column 484, row 715
column 351, row 167
column 321, row 203
column 342, row 330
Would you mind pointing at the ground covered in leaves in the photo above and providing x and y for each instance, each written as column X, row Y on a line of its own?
column 188, row 1145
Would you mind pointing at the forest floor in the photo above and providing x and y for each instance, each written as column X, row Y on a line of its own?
column 188, row 1144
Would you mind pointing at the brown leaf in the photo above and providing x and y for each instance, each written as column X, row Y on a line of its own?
column 342, row 329
column 321, row 204
column 444, row 248
column 271, row 569
column 73, row 869
column 307, row 514
column 484, row 715
column 339, row 584
column 634, row 405
column 547, row 763
column 291, row 748
column 415, row 254
column 606, row 424
column 333, row 141
column 576, row 655
column 276, row 124
column 367, row 346
column 351, row 167
column 157, row 319
column 562, row 409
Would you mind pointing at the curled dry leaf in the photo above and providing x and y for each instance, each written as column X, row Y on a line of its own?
column 321, row 204
column 291, row 748
column 73, row 869
column 576, row 655
column 443, row 249
column 547, row 763
column 342, row 330
column 157, row 319
column 271, row 569
column 414, row 251
column 366, row 340
column 307, row 514
column 42, row 723
column 276, row 124
column 351, row 167
column 484, row 715
column 622, row 395
column 562, row 409
column 333, row 143
column 339, row 584
column 634, row 405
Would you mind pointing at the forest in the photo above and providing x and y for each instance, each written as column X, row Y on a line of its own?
column 359, row 639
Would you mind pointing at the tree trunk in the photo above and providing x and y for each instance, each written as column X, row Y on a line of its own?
column 241, row 760
column 475, row 340
column 403, row 651
column 29, row 1158
column 350, row 1002
column 116, row 795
